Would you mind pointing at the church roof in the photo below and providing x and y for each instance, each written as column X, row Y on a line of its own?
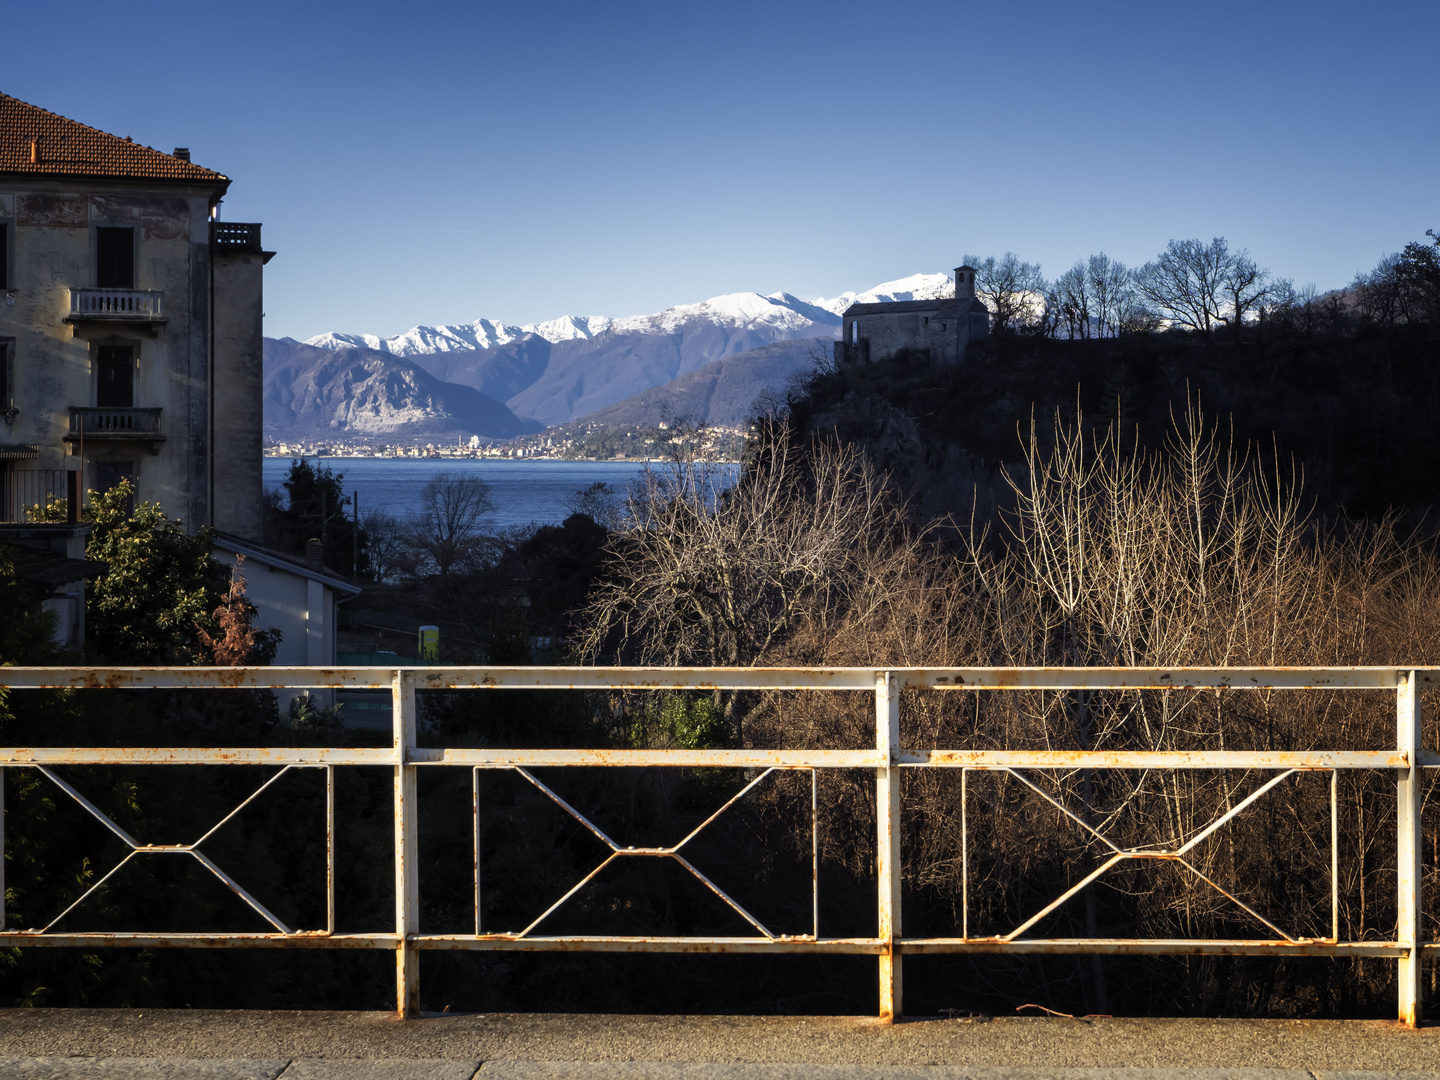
column 899, row 307
column 36, row 142
column 945, row 305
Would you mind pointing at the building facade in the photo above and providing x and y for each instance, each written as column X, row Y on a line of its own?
column 130, row 328
column 939, row 330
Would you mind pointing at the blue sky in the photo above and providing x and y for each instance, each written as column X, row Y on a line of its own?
column 432, row 162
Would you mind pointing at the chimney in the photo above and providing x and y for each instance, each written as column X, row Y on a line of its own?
column 314, row 554
column 964, row 283
column 34, row 154
column 182, row 152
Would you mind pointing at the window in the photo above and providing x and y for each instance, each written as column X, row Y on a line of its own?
column 4, row 256
column 114, row 377
column 108, row 474
column 115, row 258
column 7, row 378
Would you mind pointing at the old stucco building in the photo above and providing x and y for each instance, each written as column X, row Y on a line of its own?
column 938, row 329
column 130, row 325
column 130, row 342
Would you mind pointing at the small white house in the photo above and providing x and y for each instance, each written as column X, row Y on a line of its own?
column 294, row 595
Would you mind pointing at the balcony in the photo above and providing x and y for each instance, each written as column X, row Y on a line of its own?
column 133, row 307
column 235, row 237
column 28, row 496
column 90, row 424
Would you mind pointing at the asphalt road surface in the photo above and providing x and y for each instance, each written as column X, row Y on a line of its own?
column 80, row 1044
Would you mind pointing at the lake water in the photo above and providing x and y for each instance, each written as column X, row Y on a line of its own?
column 524, row 491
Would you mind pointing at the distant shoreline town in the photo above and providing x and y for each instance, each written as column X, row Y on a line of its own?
column 573, row 442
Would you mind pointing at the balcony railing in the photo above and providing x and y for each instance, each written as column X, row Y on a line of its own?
column 235, row 236
column 31, row 495
column 87, row 422
column 116, row 305
column 1405, row 760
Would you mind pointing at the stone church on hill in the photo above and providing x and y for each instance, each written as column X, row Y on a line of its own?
column 940, row 329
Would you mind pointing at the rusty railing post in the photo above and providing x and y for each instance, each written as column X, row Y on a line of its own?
column 1409, row 869
column 407, row 885
column 887, row 822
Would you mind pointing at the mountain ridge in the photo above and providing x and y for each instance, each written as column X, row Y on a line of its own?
column 739, row 307
column 498, row 380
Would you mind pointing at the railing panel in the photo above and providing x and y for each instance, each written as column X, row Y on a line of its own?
column 100, row 422
column 140, row 305
column 889, row 761
column 28, row 495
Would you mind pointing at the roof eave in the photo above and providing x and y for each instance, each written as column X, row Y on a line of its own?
column 222, row 182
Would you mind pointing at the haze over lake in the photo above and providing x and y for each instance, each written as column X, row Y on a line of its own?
column 524, row 491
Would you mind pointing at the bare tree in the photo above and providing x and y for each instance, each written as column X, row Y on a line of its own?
column 599, row 502
column 387, row 548
column 1011, row 288
column 445, row 535
column 1246, row 287
column 1111, row 285
column 1072, row 290
column 1186, row 283
column 699, row 577
column 1380, row 295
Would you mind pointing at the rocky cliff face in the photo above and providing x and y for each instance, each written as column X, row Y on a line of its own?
column 312, row 392
column 940, row 476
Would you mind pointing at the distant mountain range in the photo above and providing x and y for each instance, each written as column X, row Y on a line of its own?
column 498, row 380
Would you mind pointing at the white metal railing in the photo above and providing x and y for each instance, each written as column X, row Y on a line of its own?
column 1405, row 759
column 141, row 305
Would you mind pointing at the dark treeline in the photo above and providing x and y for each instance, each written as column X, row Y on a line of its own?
column 1250, row 491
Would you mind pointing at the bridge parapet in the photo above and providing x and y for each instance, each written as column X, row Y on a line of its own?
column 888, row 760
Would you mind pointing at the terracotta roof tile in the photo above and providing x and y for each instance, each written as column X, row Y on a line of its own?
column 63, row 147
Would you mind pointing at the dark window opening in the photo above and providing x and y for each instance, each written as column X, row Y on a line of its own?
column 108, row 475
column 4, row 256
column 115, row 377
column 7, row 377
column 115, row 258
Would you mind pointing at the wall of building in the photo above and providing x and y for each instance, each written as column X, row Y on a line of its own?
column 53, row 227
column 207, row 464
column 238, row 453
column 942, row 333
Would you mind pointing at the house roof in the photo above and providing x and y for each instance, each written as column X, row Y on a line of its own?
column 283, row 560
column 49, row 569
column 35, row 142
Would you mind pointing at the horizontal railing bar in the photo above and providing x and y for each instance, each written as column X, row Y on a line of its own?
column 697, row 759
column 1152, row 947
column 715, row 759
column 757, row 944
column 197, row 755
column 304, row 940
column 854, row 946
column 651, row 678
column 913, row 946
column 1156, row 759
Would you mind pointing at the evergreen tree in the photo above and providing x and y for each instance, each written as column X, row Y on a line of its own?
column 317, row 508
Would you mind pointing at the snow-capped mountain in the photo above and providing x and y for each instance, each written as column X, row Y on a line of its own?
column 481, row 334
column 781, row 313
column 561, row 370
column 914, row 287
